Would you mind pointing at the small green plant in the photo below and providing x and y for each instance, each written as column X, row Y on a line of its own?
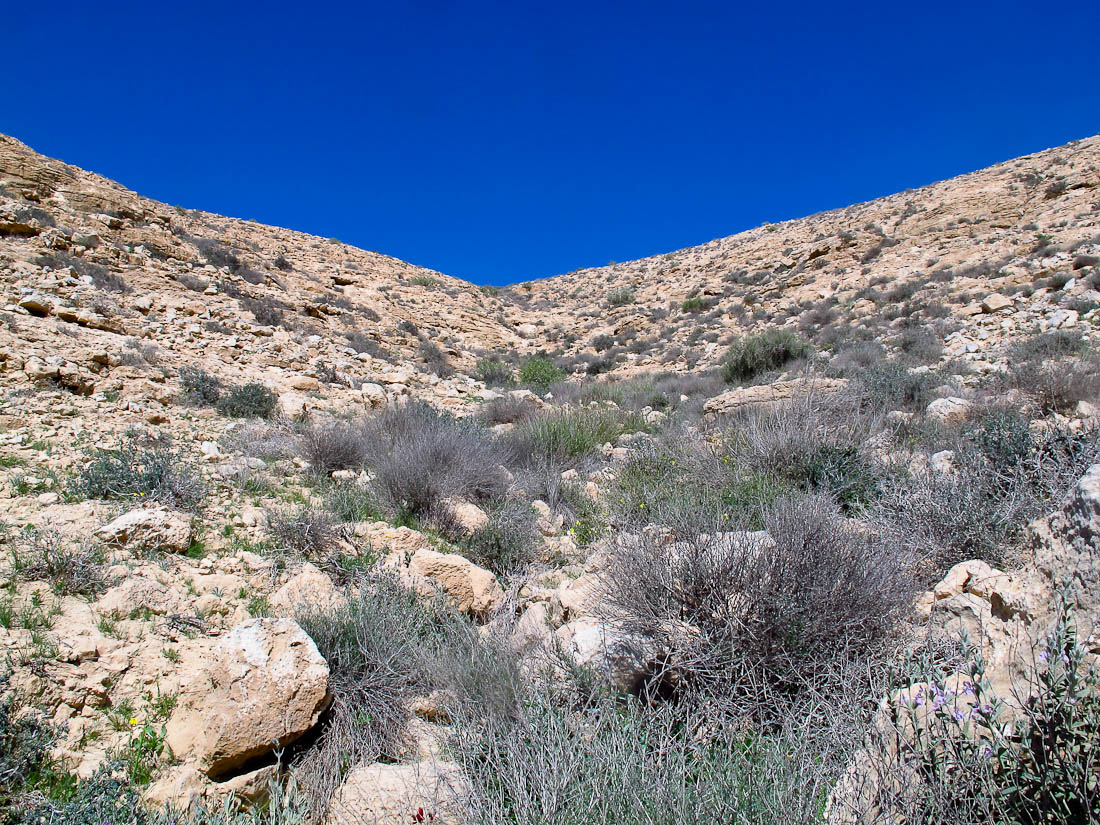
column 253, row 400
column 133, row 472
column 565, row 435
column 507, row 542
column 200, row 387
column 752, row 355
column 494, row 372
column 47, row 556
column 696, row 305
column 540, row 372
column 423, row 280
column 620, row 297
column 1034, row 764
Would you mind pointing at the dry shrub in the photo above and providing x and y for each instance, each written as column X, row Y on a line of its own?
column 421, row 457
column 337, row 445
column 752, row 617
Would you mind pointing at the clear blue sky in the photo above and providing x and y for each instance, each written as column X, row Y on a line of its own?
column 504, row 141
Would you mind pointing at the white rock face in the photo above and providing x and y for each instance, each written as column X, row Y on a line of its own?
column 263, row 686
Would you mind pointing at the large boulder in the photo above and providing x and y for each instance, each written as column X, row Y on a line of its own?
column 156, row 528
column 1066, row 543
column 950, row 410
column 264, row 685
column 469, row 588
column 466, row 516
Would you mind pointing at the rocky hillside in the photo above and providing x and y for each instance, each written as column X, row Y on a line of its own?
column 933, row 255
column 297, row 533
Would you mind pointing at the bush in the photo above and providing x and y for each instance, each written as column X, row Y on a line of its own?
column 1002, row 480
column 200, row 387
column 812, row 444
column 696, row 305
column 1045, row 346
column 420, row 457
column 305, row 532
column 892, row 386
column 610, row 763
column 620, row 297
column 1058, row 386
column 100, row 276
column 217, row 254
column 602, row 343
column 262, row 440
column 339, row 445
column 540, row 372
column 750, row 356
column 507, row 410
column 26, row 766
column 135, row 472
column 753, row 618
column 351, row 501
column 267, row 312
column 253, row 400
column 971, row 760
column 434, row 358
column 46, row 556
column 565, row 436
column 384, row 647
column 509, row 542
column 920, row 344
column 494, row 372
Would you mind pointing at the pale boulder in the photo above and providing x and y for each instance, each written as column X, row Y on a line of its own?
column 262, row 687
column 424, row 791
column 469, row 588
column 309, row 589
column 156, row 528
column 771, row 396
column 950, row 410
column 293, row 405
column 467, row 516
column 996, row 302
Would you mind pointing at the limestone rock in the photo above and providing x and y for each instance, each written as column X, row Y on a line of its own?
column 469, row 588
column 150, row 529
column 467, row 516
column 263, row 686
column 996, row 302
column 309, row 589
column 426, row 791
column 769, row 396
column 950, row 410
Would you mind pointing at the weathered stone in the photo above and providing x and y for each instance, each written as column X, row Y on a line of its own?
column 769, row 396
column 427, row 791
column 263, row 686
column 469, row 588
column 148, row 529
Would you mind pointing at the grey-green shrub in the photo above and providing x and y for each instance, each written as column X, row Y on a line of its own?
column 133, row 472
column 752, row 355
column 252, row 400
column 565, row 436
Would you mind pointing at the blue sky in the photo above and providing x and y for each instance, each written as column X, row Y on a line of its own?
column 504, row 141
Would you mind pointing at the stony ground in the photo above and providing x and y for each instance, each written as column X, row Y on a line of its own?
column 177, row 488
